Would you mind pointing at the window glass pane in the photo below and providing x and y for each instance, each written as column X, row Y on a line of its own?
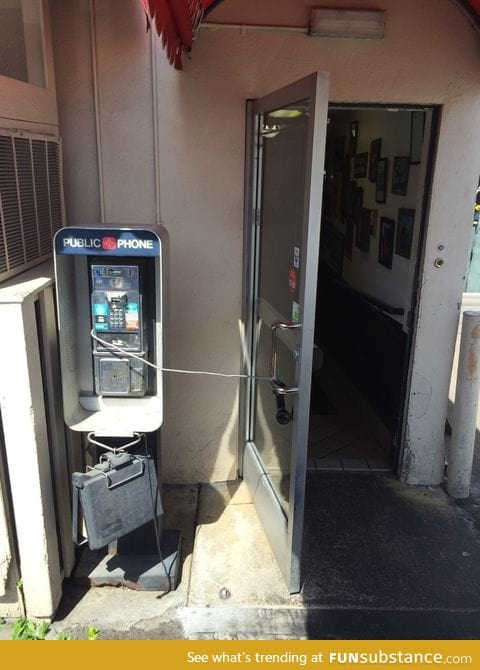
column 21, row 41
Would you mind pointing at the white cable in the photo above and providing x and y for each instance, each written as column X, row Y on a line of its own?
column 109, row 345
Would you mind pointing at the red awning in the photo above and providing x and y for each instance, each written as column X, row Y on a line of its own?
column 177, row 20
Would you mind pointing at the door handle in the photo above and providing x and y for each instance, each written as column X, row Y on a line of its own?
column 280, row 389
column 283, row 325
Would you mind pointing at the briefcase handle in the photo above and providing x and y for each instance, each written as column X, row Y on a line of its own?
column 113, row 485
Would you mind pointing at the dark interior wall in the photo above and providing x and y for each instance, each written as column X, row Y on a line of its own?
column 369, row 346
column 364, row 293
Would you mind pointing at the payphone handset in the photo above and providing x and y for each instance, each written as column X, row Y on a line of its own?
column 118, row 320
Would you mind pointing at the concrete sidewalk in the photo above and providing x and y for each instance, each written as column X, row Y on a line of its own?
column 381, row 560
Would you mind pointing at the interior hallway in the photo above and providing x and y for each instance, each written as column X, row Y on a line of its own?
column 344, row 434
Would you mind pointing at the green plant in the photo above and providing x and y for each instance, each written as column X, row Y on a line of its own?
column 63, row 636
column 24, row 629
column 92, row 633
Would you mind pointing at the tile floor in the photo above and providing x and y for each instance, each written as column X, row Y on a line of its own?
column 341, row 435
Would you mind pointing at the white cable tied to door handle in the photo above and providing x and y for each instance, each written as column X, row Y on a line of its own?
column 130, row 354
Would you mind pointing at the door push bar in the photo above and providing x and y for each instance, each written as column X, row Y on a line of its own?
column 280, row 390
column 278, row 387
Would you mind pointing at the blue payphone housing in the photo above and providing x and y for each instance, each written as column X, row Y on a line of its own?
column 110, row 287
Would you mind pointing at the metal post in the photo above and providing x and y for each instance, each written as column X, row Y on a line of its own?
column 459, row 469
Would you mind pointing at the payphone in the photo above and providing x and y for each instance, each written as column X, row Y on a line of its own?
column 110, row 285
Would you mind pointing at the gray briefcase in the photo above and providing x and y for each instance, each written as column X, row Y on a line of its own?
column 117, row 496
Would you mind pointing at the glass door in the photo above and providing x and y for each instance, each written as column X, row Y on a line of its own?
column 285, row 171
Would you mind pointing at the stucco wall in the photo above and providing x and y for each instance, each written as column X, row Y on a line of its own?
column 429, row 55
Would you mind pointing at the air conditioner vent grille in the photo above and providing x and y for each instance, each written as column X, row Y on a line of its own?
column 31, row 200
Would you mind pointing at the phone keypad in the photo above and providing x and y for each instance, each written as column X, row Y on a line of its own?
column 117, row 318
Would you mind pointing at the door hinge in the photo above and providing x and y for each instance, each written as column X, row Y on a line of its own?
column 258, row 217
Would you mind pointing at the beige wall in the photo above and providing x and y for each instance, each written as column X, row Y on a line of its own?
column 429, row 55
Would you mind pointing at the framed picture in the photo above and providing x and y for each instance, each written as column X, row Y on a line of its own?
column 381, row 183
column 375, row 153
column 362, row 239
column 352, row 143
column 360, row 165
column 417, row 128
column 403, row 242
column 385, row 245
column 401, row 167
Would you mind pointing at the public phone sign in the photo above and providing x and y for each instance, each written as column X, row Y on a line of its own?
column 107, row 242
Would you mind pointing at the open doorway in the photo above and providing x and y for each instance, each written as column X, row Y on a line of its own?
column 345, row 186
column 372, row 212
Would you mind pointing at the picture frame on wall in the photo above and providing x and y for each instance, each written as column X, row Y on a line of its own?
column 375, row 153
column 417, row 130
column 360, row 165
column 386, row 242
column 352, row 141
column 403, row 242
column 400, row 171
column 381, row 183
